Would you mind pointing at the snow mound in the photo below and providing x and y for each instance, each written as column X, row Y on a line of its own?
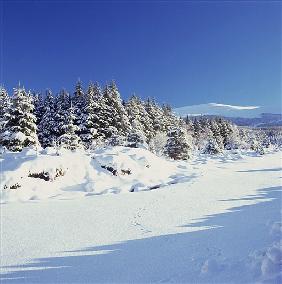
column 31, row 175
column 267, row 262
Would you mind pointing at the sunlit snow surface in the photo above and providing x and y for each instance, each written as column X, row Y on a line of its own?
column 213, row 220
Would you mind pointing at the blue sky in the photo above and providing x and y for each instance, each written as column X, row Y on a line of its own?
column 180, row 52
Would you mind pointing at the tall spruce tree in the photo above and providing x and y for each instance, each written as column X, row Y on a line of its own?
column 69, row 138
column 214, row 127
column 38, row 107
column 139, row 118
column 88, row 118
column 115, row 113
column 101, row 111
column 155, row 114
column 169, row 119
column 63, row 102
column 4, row 110
column 20, row 129
column 79, row 102
column 47, row 127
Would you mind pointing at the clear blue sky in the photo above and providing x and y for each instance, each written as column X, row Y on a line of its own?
column 180, row 52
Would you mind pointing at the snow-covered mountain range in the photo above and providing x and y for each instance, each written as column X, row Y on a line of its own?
column 242, row 115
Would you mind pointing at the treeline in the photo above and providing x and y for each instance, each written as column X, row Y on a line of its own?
column 94, row 117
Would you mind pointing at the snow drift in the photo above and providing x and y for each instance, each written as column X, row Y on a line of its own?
column 29, row 175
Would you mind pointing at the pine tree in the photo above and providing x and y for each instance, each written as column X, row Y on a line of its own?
column 38, row 107
column 214, row 127
column 21, row 126
column 88, row 118
column 101, row 112
column 69, row 138
column 212, row 147
column 79, row 102
column 177, row 146
column 115, row 113
column 47, row 127
column 116, row 140
column 155, row 114
column 202, row 132
column 62, row 111
column 168, row 118
column 136, row 138
column 225, row 131
column 139, row 117
column 4, row 110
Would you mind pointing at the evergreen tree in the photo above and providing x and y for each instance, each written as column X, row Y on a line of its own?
column 38, row 107
column 168, row 118
column 139, row 117
column 155, row 114
column 177, row 146
column 79, row 103
column 212, row 147
column 115, row 113
column 256, row 146
column 226, row 130
column 116, row 140
column 136, row 138
column 201, row 132
column 62, row 112
column 87, row 126
column 217, row 135
column 47, row 127
column 4, row 109
column 69, row 138
column 101, row 112
column 21, row 125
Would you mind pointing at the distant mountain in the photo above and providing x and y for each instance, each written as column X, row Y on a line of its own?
column 241, row 115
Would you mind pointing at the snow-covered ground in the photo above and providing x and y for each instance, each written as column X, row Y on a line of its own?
column 212, row 219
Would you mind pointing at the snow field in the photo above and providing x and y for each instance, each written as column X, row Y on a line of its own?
column 220, row 224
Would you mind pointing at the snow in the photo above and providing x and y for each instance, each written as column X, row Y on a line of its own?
column 67, row 174
column 220, row 222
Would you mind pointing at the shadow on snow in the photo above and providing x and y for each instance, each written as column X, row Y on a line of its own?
column 175, row 257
